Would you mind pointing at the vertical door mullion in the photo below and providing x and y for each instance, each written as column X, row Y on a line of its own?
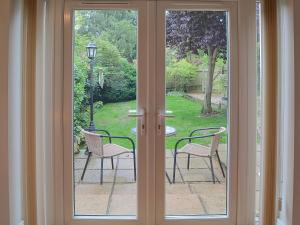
column 151, row 113
column 160, row 98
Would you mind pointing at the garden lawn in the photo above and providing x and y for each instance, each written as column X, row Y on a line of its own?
column 114, row 118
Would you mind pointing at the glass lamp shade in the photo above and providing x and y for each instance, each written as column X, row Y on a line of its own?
column 91, row 49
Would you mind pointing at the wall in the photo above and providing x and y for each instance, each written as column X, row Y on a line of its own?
column 15, row 112
column 4, row 187
column 10, row 113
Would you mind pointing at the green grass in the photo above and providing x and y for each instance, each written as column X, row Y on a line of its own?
column 114, row 118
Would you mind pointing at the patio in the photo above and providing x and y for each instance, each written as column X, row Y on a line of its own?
column 193, row 193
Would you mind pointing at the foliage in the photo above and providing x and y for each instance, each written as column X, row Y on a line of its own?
column 190, row 31
column 80, row 75
column 119, row 84
column 175, row 93
column 98, row 105
column 123, row 36
column 117, row 26
column 180, row 74
column 114, row 33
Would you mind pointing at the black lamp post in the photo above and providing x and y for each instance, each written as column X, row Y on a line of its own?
column 91, row 49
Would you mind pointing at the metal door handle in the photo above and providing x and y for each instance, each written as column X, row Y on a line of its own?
column 167, row 114
column 161, row 116
column 141, row 115
column 133, row 113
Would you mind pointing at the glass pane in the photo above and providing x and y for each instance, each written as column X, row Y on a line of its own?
column 197, row 78
column 105, row 75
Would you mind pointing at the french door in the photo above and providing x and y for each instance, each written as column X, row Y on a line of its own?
column 156, row 83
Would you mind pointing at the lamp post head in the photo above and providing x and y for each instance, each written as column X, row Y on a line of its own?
column 91, row 49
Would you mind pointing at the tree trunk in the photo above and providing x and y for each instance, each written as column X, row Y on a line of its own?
column 212, row 57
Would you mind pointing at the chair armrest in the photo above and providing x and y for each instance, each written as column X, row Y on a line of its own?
column 120, row 137
column 201, row 129
column 189, row 139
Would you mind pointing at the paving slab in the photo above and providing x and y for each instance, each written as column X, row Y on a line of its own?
column 178, row 177
column 92, row 199
column 198, row 175
column 177, row 189
column 91, row 204
column 125, row 163
column 94, row 163
column 195, row 162
column 124, row 176
column 93, row 189
column 179, row 204
column 123, row 204
column 213, row 196
column 125, row 189
column 93, row 176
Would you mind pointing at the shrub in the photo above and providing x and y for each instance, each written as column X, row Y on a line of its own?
column 98, row 105
column 120, row 85
column 175, row 93
column 181, row 74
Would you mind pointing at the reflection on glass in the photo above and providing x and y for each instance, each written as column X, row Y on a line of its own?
column 104, row 89
column 197, row 94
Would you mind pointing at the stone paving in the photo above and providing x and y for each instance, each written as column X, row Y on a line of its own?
column 193, row 192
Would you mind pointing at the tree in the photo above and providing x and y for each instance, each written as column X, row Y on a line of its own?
column 190, row 31
column 117, row 26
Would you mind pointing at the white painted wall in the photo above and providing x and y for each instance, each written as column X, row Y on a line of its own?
column 15, row 113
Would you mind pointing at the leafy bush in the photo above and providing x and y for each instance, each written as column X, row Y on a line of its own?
column 175, row 93
column 80, row 115
column 120, row 86
column 180, row 74
column 98, row 105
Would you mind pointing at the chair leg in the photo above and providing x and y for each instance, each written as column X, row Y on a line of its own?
column 112, row 163
column 188, row 162
column 212, row 169
column 220, row 163
column 85, row 166
column 101, row 175
column 174, row 167
column 134, row 166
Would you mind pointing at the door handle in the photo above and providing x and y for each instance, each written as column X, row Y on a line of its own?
column 141, row 116
column 161, row 116
column 134, row 113
column 167, row 114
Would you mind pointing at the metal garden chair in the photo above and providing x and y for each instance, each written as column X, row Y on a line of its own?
column 200, row 150
column 95, row 146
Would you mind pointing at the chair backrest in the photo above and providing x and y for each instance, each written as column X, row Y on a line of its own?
column 94, row 142
column 216, row 140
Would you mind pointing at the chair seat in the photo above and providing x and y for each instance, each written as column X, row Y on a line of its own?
column 110, row 150
column 195, row 149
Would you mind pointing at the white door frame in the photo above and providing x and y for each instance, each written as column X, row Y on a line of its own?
column 150, row 180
